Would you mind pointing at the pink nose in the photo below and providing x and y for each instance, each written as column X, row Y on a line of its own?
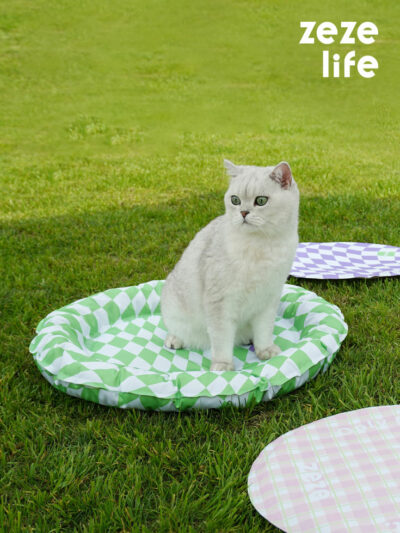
column 244, row 213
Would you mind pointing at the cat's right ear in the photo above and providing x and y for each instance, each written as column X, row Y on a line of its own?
column 232, row 169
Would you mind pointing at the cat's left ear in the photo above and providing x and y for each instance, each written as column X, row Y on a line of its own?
column 232, row 169
column 282, row 175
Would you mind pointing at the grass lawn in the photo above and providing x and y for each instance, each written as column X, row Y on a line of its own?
column 115, row 119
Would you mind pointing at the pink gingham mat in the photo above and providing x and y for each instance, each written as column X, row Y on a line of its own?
column 341, row 473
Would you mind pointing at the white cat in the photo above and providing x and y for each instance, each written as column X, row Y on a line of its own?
column 226, row 287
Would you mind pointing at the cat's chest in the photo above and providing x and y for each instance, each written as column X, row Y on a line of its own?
column 256, row 280
column 258, row 265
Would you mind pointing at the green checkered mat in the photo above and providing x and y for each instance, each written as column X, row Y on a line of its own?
column 108, row 348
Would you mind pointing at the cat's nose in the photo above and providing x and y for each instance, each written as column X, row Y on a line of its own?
column 244, row 213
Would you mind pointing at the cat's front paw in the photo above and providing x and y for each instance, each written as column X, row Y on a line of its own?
column 224, row 367
column 174, row 343
column 269, row 352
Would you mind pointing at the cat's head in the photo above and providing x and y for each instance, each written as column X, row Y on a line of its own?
column 261, row 199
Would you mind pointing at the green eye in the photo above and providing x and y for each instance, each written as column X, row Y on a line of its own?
column 235, row 200
column 261, row 200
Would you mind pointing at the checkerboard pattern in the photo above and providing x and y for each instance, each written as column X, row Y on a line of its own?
column 109, row 348
column 344, row 260
column 341, row 473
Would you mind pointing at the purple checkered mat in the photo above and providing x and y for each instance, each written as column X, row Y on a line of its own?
column 343, row 260
column 341, row 473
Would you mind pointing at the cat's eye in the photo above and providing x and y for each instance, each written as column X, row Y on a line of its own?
column 261, row 200
column 235, row 200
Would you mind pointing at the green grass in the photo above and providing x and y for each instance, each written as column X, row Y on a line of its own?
column 115, row 119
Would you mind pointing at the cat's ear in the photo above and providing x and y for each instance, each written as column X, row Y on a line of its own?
column 232, row 169
column 282, row 175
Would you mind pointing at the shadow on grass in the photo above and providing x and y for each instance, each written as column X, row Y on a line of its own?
column 356, row 218
column 50, row 262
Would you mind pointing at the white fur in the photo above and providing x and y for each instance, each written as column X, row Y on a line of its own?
column 226, row 287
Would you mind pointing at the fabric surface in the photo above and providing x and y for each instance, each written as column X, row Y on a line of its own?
column 341, row 473
column 109, row 348
column 344, row 260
